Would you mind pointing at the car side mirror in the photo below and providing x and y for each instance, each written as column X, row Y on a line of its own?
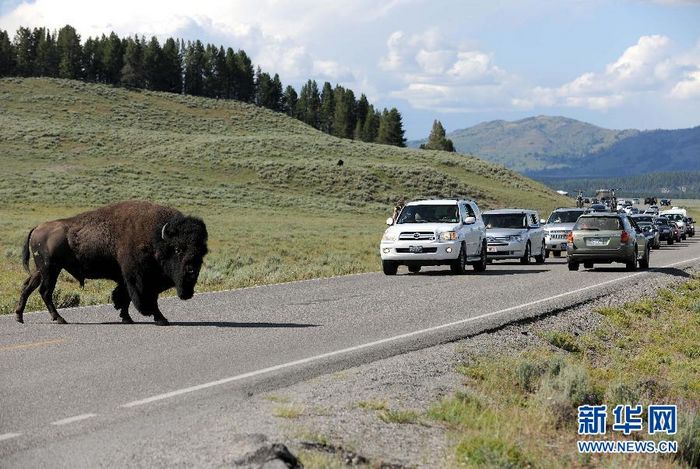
column 389, row 221
column 470, row 220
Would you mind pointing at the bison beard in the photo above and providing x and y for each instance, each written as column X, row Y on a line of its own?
column 145, row 248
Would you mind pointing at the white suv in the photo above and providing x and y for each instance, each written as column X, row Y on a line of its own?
column 435, row 232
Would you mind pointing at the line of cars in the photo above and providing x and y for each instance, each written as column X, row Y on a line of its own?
column 456, row 233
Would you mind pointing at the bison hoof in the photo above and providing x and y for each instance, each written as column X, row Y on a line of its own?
column 127, row 320
column 162, row 322
column 19, row 318
column 59, row 320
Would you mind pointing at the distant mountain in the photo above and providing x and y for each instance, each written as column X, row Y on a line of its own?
column 549, row 146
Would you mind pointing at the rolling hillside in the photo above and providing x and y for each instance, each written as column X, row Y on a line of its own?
column 547, row 146
column 277, row 205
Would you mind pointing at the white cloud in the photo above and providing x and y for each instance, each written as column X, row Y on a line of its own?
column 434, row 74
column 688, row 88
column 649, row 66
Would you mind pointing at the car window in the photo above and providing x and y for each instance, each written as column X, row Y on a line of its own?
column 469, row 210
column 429, row 214
column 598, row 224
column 505, row 220
column 565, row 216
column 533, row 220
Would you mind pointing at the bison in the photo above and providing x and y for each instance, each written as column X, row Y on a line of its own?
column 145, row 248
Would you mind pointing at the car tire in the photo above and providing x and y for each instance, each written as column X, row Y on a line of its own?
column 414, row 269
column 390, row 267
column 556, row 253
column 632, row 263
column 670, row 241
column 644, row 261
column 573, row 265
column 459, row 265
column 684, row 237
column 526, row 256
column 588, row 265
column 546, row 253
column 540, row 259
column 480, row 266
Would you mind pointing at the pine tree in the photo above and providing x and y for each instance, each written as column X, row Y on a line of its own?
column 113, row 59
column 172, row 67
column 69, row 53
column 92, row 60
column 153, row 66
column 46, row 64
column 344, row 116
column 361, row 112
column 194, row 68
column 132, row 75
column 289, row 101
column 309, row 104
column 7, row 55
column 26, row 52
column 370, row 128
column 327, row 112
column 391, row 129
column 437, row 139
column 244, row 77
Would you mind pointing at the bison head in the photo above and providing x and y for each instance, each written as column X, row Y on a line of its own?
column 183, row 245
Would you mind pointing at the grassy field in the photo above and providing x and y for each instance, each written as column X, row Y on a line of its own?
column 521, row 411
column 276, row 204
column 692, row 205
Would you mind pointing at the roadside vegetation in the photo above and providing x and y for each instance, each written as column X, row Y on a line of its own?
column 521, row 411
column 277, row 205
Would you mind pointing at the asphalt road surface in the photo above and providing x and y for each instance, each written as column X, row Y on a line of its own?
column 77, row 394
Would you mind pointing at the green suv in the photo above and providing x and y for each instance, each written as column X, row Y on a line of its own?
column 604, row 238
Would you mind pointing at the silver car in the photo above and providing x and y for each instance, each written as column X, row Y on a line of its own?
column 603, row 238
column 557, row 227
column 514, row 234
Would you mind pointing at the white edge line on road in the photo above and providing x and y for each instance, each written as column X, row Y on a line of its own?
column 7, row 436
column 355, row 348
column 77, row 418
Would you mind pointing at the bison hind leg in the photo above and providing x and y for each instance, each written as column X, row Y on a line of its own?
column 31, row 284
column 121, row 300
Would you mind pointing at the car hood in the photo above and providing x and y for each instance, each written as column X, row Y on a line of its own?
column 559, row 226
column 432, row 227
column 502, row 232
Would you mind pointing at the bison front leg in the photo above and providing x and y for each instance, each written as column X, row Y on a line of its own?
column 146, row 303
column 121, row 300
column 31, row 284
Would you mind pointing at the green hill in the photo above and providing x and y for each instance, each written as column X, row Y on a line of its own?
column 534, row 143
column 277, row 205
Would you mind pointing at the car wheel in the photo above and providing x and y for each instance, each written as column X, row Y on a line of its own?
column 546, row 253
column 573, row 265
column 540, row 259
column 481, row 265
column 414, row 269
column 556, row 253
column 390, row 267
column 684, row 237
column 459, row 265
column 526, row 256
column 670, row 241
column 644, row 261
column 588, row 265
column 632, row 263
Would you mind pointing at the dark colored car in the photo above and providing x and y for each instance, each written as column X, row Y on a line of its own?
column 689, row 227
column 666, row 231
column 598, row 208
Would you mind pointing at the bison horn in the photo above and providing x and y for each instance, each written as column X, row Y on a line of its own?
column 162, row 233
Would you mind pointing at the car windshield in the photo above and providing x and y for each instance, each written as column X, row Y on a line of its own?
column 644, row 219
column 429, row 214
column 505, row 220
column 674, row 216
column 565, row 216
column 662, row 221
column 598, row 224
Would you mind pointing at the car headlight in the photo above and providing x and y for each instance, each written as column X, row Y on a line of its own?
column 448, row 236
column 388, row 236
column 515, row 238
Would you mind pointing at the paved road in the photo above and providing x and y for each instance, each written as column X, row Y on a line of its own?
column 73, row 395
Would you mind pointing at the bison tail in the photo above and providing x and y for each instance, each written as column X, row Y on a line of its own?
column 25, row 250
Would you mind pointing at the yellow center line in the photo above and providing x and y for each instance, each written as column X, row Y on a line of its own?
column 5, row 348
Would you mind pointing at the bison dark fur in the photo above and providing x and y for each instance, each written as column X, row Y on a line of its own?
column 145, row 248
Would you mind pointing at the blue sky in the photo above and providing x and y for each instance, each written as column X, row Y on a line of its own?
column 617, row 64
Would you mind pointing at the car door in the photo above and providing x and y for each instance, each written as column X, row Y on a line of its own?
column 467, row 211
column 536, row 232
column 639, row 234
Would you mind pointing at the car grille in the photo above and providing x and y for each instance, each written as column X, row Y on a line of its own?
column 417, row 236
column 497, row 240
column 424, row 251
column 558, row 234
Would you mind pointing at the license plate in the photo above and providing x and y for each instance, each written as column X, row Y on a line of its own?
column 415, row 249
column 491, row 249
column 596, row 242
